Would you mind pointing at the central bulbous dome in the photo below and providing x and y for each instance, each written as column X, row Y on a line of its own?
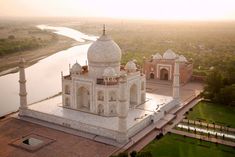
column 104, row 50
column 103, row 53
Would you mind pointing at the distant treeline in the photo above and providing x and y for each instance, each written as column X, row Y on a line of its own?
column 11, row 44
column 208, row 44
column 220, row 83
column 211, row 46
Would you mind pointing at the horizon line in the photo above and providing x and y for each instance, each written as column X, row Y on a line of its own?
column 124, row 18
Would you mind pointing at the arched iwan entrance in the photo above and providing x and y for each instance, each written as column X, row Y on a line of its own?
column 67, row 102
column 164, row 74
column 83, row 98
column 151, row 75
column 100, row 109
column 133, row 95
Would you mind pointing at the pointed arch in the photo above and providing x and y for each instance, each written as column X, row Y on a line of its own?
column 152, row 76
column 100, row 109
column 112, row 96
column 164, row 74
column 100, row 95
column 67, row 102
column 133, row 95
column 83, row 98
column 67, row 89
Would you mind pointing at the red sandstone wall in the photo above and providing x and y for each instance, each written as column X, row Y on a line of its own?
column 186, row 69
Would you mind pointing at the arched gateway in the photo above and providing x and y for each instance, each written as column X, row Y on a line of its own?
column 133, row 95
column 164, row 74
column 83, row 98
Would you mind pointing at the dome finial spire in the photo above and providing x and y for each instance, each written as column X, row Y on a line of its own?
column 103, row 29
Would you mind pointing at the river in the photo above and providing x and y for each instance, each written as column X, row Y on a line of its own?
column 44, row 77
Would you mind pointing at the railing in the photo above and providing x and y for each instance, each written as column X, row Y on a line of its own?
column 102, row 82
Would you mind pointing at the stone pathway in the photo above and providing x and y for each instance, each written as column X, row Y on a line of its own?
column 189, row 98
column 152, row 135
column 144, row 141
column 66, row 144
column 204, row 138
column 180, row 115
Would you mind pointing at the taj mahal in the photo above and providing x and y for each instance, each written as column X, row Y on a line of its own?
column 103, row 101
column 101, row 87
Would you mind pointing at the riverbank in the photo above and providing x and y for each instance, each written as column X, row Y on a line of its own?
column 9, row 63
column 45, row 74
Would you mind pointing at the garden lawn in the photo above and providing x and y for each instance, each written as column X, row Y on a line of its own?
column 172, row 145
column 213, row 113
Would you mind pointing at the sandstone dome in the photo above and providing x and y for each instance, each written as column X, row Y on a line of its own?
column 157, row 56
column 104, row 50
column 169, row 54
column 182, row 58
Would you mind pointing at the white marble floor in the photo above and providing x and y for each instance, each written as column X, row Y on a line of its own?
column 53, row 106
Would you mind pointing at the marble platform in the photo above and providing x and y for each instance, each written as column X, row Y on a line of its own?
column 106, row 128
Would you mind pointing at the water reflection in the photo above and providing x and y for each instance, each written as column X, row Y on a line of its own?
column 43, row 78
column 211, row 132
column 68, row 32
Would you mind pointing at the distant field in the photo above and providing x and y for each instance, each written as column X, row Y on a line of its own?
column 21, row 38
column 210, row 112
column 17, row 38
column 207, row 43
column 172, row 145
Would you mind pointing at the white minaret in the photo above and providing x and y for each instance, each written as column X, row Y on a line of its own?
column 123, row 111
column 176, row 82
column 22, row 81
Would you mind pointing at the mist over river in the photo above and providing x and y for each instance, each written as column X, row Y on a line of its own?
column 44, row 77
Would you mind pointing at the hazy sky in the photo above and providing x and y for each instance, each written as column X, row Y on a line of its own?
column 137, row 9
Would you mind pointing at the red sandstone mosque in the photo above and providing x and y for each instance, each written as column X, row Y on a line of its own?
column 161, row 67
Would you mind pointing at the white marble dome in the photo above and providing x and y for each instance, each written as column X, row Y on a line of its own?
column 182, row 58
column 157, row 56
column 169, row 54
column 104, row 50
column 76, row 68
column 130, row 66
column 103, row 53
column 109, row 72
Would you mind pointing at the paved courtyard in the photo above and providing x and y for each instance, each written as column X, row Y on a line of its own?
column 65, row 145
column 70, row 145
column 187, row 91
column 54, row 107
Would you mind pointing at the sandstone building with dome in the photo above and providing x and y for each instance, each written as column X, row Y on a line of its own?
column 161, row 67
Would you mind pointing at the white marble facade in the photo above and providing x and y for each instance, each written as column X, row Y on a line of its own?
column 96, row 88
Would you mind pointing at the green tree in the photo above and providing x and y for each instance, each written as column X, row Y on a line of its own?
column 213, row 84
column 227, row 95
column 11, row 37
column 144, row 154
column 133, row 154
column 220, row 83
column 123, row 154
